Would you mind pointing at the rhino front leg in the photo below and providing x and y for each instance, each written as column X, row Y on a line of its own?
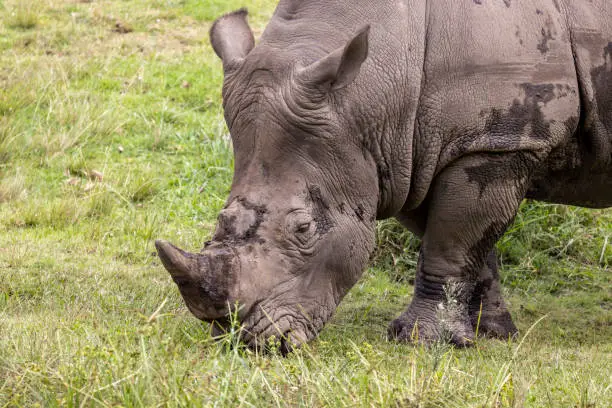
column 487, row 308
column 471, row 204
column 489, row 315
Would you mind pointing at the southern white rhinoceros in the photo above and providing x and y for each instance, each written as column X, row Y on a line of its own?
column 444, row 114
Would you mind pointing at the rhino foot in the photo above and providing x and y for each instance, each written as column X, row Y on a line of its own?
column 497, row 325
column 428, row 322
column 488, row 311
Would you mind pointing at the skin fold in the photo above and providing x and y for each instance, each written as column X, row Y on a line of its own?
column 443, row 114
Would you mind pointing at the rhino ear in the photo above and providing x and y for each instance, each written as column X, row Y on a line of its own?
column 339, row 68
column 232, row 38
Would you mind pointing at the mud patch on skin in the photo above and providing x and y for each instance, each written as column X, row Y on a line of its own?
column 229, row 230
column 217, row 278
column 492, row 171
column 522, row 114
column 506, row 128
column 497, row 168
column 517, row 34
column 548, row 33
column 481, row 289
column 577, row 173
column 359, row 212
column 540, row 93
column 514, row 168
column 511, row 125
column 484, row 286
column 478, row 252
column 546, row 37
column 488, row 312
column 207, row 295
column 260, row 211
column 320, row 210
column 226, row 225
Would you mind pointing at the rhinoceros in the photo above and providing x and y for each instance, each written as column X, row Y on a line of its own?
column 444, row 114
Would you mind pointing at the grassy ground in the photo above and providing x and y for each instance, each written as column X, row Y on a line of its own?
column 111, row 135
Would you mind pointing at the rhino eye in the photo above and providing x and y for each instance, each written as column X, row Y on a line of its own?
column 303, row 227
column 301, row 230
column 304, row 231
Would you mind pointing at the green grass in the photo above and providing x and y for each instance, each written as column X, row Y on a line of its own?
column 110, row 140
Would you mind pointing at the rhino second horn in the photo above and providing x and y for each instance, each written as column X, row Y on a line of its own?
column 180, row 264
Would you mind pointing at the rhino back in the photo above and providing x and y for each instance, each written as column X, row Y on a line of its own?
column 446, row 79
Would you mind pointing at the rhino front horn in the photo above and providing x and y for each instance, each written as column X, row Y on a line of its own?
column 180, row 264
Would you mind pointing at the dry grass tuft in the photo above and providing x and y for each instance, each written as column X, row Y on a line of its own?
column 23, row 15
column 13, row 188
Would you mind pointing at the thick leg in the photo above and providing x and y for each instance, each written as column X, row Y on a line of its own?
column 471, row 204
column 488, row 312
column 487, row 309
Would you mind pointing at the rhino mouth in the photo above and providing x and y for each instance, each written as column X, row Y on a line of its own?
column 284, row 334
column 278, row 319
column 284, row 331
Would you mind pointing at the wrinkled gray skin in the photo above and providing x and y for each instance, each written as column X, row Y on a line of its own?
column 442, row 113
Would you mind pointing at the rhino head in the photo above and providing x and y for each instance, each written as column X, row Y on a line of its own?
column 298, row 227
